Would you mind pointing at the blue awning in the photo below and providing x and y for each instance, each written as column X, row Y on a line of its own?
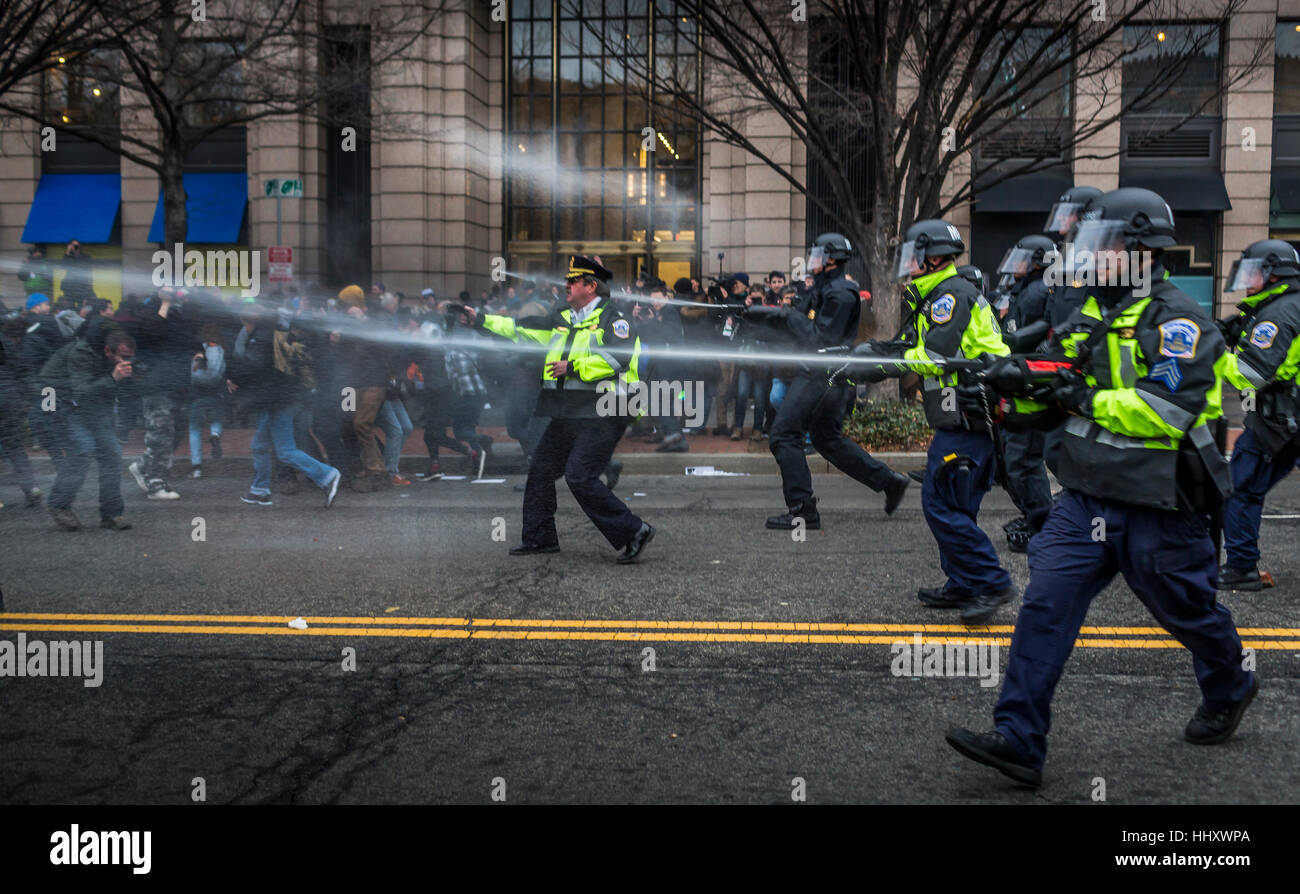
column 214, row 205
column 74, row 206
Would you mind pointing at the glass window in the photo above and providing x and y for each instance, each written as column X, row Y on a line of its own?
column 600, row 185
column 83, row 90
column 1049, row 94
column 1286, row 69
column 1170, row 69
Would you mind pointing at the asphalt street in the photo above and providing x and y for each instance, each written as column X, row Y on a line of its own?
column 479, row 673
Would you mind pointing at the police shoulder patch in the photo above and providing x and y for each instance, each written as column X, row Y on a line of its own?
column 621, row 328
column 1179, row 337
column 1262, row 336
column 942, row 307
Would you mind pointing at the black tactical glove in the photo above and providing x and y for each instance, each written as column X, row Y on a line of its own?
column 874, row 373
column 1072, row 393
column 1006, row 375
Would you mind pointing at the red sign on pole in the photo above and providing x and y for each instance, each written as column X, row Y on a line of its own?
column 279, row 263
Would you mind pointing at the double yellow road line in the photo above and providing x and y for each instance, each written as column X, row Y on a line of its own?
column 608, row 630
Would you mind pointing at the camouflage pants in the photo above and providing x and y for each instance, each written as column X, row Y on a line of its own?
column 159, row 432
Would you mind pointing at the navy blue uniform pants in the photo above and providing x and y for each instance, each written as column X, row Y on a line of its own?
column 951, row 503
column 1168, row 560
column 578, row 449
column 1254, row 473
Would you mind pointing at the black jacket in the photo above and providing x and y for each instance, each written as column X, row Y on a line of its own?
column 252, row 369
column 829, row 319
column 40, row 342
column 1028, row 303
column 165, row 346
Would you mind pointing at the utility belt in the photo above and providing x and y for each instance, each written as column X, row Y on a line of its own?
column 1276, row 420
column 1279, row 404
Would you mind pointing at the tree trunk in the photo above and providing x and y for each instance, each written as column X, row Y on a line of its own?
column 172, row 183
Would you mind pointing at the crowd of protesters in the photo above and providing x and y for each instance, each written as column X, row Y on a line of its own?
column 332, row 384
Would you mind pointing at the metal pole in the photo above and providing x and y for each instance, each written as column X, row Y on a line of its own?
column 278, row 199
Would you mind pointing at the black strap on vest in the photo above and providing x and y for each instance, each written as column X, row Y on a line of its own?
column 1102, row 327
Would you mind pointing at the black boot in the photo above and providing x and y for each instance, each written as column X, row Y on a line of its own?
column 1213, row 727
column 1240, row 579
column 812, row 521
column 894, row 491
column 993, row 750
column 1017, row 531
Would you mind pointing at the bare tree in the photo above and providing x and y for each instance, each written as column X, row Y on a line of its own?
column 36, row 32
column 185, row 70
column 921, row 87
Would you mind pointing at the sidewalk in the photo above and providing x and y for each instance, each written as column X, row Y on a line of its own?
column 637, row 455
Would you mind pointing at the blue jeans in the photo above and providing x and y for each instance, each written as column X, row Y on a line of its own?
column 752, row 383
column 464, row 419
column 210, row 408
column 396, row 424
column 275, row 428
column 90, row 434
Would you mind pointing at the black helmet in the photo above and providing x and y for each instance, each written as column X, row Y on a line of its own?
column 1028, row 253
column 834, row 246
column 931, row 238
column 828, row 246
column 975, row 276
column 1141, row 216
column 1067, row 209
column 1260, row 260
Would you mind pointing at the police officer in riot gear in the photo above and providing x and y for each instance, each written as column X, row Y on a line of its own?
column 1262, row 334
column 975, row 276
column 1140, row 472
column 1064, row 298
column 1026, row 476
column 814, row 404
column 951, row 319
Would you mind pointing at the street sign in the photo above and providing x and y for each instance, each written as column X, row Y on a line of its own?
column 282, row 189
column 279, row 263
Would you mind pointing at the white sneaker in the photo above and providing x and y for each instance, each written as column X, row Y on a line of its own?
column 197, row 473
column 164, row 493
column 138, row 474
column 332, row 488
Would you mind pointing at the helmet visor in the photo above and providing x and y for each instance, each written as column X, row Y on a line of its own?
column 1099, row 254
column 1062, row 217
column 911, row 261
column 1247, row 275
column 1016, row 262
column 817, row 257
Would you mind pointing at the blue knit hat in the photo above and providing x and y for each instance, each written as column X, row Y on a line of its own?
column 36, row 298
